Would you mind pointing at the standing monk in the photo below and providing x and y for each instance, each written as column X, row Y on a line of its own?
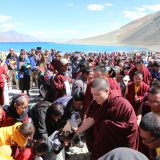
column 113, row 120
column 136, row 91
column 141, row 68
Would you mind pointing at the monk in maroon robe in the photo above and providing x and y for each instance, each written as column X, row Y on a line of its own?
column 141, row 68
column 113, row 120
column 136, row 90
column 88, row 95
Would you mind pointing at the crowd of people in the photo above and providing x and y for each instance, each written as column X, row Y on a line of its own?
column 109, row 101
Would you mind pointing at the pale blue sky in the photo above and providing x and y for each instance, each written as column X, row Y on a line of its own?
column 61, row 20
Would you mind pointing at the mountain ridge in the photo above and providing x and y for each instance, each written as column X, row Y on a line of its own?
column 143, row 32
column 13, row 36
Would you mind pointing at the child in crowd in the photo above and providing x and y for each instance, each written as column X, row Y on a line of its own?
column 17, row 134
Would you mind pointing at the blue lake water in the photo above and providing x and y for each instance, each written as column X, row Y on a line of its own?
column 4, row 46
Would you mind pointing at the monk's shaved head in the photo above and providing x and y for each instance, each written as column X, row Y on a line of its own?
column 101, row 84
column 151, row 123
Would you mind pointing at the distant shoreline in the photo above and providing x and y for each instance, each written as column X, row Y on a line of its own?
column 150, row 47
column 68, row 47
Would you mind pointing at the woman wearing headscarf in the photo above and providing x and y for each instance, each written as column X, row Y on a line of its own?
column 17, row 111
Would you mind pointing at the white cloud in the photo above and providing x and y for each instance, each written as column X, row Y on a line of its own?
column 155, row 7
column 98, row 7
column 7, row 23
column 133, row 14
column 141, row 11
column 95, row 7
column 4, row 18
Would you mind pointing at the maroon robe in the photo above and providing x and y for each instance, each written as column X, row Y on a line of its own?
column 88, row 95
column 131, row 95
column 146, row 75
column 58, row 88
column 115, row 125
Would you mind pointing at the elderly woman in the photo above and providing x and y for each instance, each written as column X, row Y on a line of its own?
column 17, row 111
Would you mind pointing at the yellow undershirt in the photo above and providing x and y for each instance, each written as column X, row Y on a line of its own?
column 136, row 88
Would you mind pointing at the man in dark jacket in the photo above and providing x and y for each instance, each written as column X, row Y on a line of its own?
column 45, row 117
column 48, row 117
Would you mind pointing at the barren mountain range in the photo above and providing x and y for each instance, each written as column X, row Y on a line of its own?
column 13, row 36
column 143, row 32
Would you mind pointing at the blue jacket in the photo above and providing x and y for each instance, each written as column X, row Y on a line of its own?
column 33, row 62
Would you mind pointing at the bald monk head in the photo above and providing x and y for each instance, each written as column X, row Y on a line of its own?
column 100, row 90
column 150, row 130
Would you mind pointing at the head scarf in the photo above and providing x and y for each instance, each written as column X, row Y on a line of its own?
column 11, row 110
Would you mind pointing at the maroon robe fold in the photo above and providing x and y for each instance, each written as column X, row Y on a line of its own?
column 141, row 92
column 146, row 75
column 115, row 125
